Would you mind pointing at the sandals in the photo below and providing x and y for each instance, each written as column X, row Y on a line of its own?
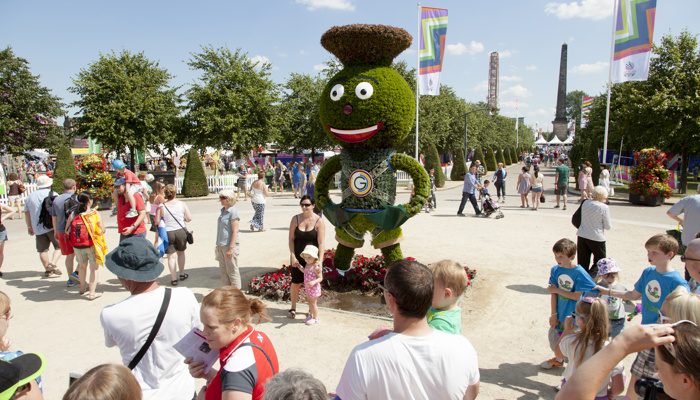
column 174, row 283
column 94, row 296
column 252, row 228
column 292, row 314
column 183, row 277
column 52, row 270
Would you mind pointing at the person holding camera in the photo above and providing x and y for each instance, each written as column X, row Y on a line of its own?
column 677, row 349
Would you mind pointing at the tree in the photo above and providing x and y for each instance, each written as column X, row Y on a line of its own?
column 459, row 168
column 507, row 155
column 232, row 104
column 490, row 160
column 432, row 160
column 574, row 101
column 301, row 128
column 478, row 155
column 195, row 182
column 65, row 168
column 26, row 108
column 126, row 103
column 500, row 158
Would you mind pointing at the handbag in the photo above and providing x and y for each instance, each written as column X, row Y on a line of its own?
column 542, row 198
column 189, row 234
column 154, row 331
column 22, row 188
column 576, row 218
column 678, row 235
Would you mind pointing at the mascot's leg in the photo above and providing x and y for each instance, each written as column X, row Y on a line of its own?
column 345, row 250
column 388, row 242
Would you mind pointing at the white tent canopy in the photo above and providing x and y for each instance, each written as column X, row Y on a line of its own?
column 555, row 141
column 569, row 140
column 541, row 141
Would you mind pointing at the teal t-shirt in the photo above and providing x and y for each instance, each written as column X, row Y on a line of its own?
column 449, row 321
column 563, row 171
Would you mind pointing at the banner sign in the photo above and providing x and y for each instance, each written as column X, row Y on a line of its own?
column 634, row 35
column 433, row 31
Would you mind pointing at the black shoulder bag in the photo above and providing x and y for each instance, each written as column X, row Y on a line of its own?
column 576, row 218
column 190, row 237
column 154, row 330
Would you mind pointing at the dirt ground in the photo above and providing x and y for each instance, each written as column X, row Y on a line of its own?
column 504, row 315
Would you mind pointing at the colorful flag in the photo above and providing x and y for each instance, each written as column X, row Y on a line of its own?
column 162, row 243
column 634, row 35
column 586, row 106
column 433, row 23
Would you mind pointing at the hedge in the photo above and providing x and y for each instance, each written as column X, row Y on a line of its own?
column 432, row 160
column 195, row 182
column 65, row 168
column 490, row 160
column 459, row 169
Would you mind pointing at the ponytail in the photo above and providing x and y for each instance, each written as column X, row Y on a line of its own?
column 84, row 198
column 596, row 328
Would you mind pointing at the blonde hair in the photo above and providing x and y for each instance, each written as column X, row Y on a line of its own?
column 230, row 304
column 452, row 275
column 599, row 278
column 230, row 197
column 595, row 330
column 105, row 382
column 170, row 191
column 312, row 177
column 683, row 305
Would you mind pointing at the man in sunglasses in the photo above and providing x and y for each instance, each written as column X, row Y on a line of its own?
column 414, row 361
column 692, row 264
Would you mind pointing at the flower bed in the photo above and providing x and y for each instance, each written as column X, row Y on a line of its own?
column 93, row 176
column 649, row 175
column 363, row 276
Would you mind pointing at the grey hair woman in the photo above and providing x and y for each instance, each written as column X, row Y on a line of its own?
column 295, row 384
column 595, row 219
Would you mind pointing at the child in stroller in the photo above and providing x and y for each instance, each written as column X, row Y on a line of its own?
column 487, row 204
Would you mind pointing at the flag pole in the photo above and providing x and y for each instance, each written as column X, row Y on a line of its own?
column 607, row 110
column 516, row 124
column 417, row 79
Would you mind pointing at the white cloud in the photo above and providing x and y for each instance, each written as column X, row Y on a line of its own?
column 281, row 54
column 511, row 78
column 481, row 86
column 345, row 5
column 460, row 48
column 504, row 54
column 320, row 67
column 260, row 59
column 590, row 68
column 517, row 91
column 531, row 68
column 511, row 105
column 409, row 51
column 587, row 9
column 303, row 53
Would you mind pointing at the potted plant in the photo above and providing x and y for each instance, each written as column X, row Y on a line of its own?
column 94, row 178
column 648, row 186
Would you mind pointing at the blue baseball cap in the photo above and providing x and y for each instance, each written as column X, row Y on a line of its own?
column 120, row 182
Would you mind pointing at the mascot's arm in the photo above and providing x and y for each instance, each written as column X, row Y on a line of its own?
column 421, row 181
column 323, row 181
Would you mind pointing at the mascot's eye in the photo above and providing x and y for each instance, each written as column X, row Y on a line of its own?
column 364, row 90
column 337, row 92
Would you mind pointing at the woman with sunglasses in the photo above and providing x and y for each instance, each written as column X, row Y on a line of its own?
column 32, row 391
column 591, row 318
column 677, row 349
column 304, row 229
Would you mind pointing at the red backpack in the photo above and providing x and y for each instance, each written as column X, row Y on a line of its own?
column 78, row 235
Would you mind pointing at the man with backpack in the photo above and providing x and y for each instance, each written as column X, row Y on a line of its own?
column 37, row 209
column 63, row 206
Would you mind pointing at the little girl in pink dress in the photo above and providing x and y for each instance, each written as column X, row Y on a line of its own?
column 313, row 275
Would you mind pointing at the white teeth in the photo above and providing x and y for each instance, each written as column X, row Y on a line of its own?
column 354, row 131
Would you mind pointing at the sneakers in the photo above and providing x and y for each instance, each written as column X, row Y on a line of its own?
column 307, row 318
column 74, row 277
column 312, row 321
column 71, row 283
column 552, row 362
column 114, row 212
column 132, row 214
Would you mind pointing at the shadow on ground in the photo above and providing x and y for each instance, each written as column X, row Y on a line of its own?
column 534, row 289
column 516, row 377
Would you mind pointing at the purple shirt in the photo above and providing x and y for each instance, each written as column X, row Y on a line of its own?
column 469, row 182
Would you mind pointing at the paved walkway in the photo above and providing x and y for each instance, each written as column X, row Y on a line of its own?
column 505, row 315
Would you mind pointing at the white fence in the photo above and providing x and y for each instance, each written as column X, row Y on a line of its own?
column 30, row 187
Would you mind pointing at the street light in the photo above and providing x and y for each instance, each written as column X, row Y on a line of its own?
column 466, row 152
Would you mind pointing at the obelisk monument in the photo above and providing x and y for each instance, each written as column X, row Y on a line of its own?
column 560, row 122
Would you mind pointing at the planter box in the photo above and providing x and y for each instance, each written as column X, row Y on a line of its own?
column 104, row 204
column 646, row 201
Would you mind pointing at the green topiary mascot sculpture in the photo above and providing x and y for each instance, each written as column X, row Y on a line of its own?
column 367, row 109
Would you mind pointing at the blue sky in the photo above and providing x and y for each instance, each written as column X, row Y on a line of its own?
column 60, row 38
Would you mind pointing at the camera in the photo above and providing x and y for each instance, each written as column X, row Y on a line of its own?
column 651, row 389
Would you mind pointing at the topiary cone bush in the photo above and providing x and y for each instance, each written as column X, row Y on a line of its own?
column 432, row 160
column 459, row 169
column 195, row 182
column 65, row 168
column 507, row 156
column 478, row 155
column 593, row 158
column 490, row 160
column 500, row 158
column 514, row 156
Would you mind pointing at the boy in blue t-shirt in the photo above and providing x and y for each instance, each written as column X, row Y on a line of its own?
column 567, row 282
column 656, row 283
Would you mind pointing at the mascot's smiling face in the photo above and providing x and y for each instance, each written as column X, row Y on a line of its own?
column 367, row 107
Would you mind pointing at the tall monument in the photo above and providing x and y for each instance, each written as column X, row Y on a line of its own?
column 560, row 122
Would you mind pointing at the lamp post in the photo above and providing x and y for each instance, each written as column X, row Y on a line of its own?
column 465, row 115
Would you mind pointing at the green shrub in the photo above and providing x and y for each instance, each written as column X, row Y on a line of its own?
column 478, row 155
column 459, row 169
column 65, row 168
column 593, row 158
column 195, row 182
column 500, row 158
column 490, row 160
column 507, row 156
column 513, row 155
column 432, row 160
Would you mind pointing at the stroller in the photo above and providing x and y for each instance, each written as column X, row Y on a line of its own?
column 489, row 206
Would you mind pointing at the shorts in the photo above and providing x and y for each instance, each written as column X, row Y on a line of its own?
column 12, row 199
column 536, row 190
column 295, row 184
column 66, row 249
column 560, row 189
column 553, row 337
column 85, row 255
column 135, row 188
column 643, row 366
column 44, row 241
column 616, row 326
column 177, row 241
column 297, row 275
column 3, row 236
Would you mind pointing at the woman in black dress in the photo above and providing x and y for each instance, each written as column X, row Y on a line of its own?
column 304, row 229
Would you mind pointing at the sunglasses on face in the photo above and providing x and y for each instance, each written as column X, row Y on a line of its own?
column 306, row 204
column 578, row 316
column 222, row 198
column 684, row 259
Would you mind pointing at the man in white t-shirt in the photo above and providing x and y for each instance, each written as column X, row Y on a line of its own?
column 414, row 361
column 161, row 372
column 691, row 258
